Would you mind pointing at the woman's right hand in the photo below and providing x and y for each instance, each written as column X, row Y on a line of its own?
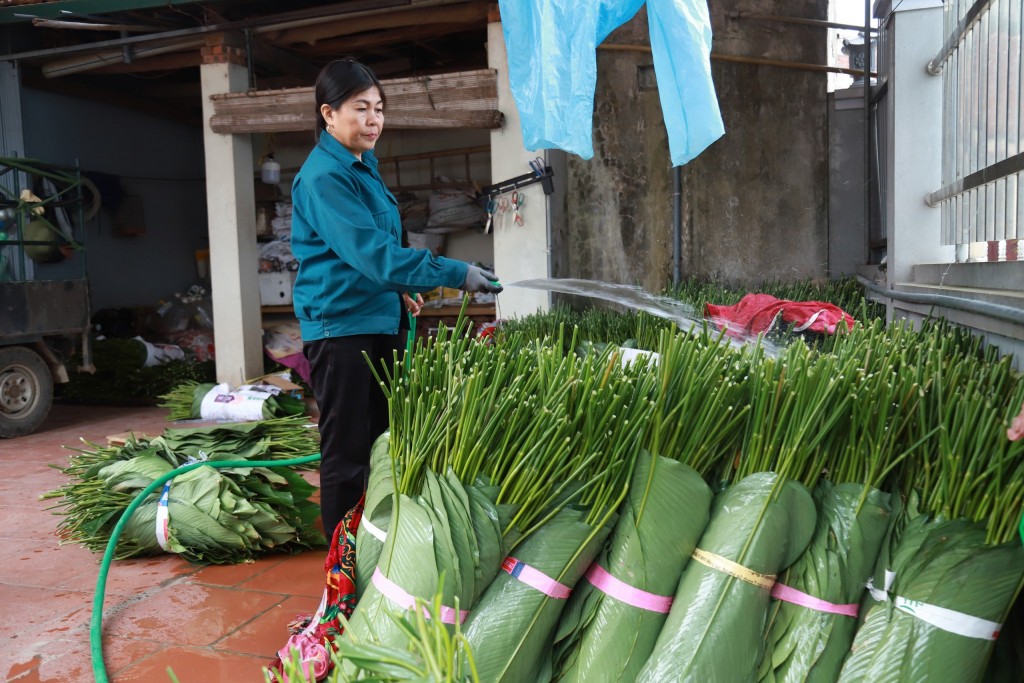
column 480, row 280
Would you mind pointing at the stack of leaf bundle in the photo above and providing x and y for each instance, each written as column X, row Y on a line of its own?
column 846, row 293
column 590, row 326
column 433, row 653
column 811, row 626
column 513, row 625
column 541, row 445
column 403, row 383
column 759, row 525
column 599, row 325
column 957, row 566
column 608, row 632
column 122, row 379
column 215, row 515
column 185, row 402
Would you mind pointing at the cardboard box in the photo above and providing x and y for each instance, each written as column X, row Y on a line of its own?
column 281, row 381
column 276, row 288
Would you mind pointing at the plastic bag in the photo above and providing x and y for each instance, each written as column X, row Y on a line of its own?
column 552, row 54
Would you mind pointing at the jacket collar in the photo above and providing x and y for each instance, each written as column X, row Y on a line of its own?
column 341, row 153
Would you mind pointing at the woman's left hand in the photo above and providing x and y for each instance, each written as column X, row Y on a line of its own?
column 413, row 305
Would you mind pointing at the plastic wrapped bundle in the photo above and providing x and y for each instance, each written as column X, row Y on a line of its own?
column 432, row 541
column 194, row 400
column 614, row 616
column 714, row 632
column 373, row 526
column 811, row 627
column 512, row 626
column 939, row 614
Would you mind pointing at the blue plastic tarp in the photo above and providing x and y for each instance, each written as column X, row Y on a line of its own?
column 552, row 57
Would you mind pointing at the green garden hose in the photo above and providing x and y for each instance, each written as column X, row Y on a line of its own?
column 411, row 339
column 99, row 669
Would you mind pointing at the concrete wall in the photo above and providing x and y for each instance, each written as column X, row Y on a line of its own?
column 619, row 206
column 159, row 161
column 847, row 234
column 755, row 202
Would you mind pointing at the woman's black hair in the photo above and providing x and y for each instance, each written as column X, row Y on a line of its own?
column 338, row 81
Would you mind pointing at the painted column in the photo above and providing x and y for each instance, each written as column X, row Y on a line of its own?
column 915, row 141
column 231, row 208
column 521, row 252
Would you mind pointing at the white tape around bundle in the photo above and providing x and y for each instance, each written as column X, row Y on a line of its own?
column 163, row 518
column 245, row 403
column 940, row 617
column 949, row 620
column 881, row 595
column 373, row 529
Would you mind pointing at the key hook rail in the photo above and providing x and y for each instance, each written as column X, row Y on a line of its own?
column 545, row 179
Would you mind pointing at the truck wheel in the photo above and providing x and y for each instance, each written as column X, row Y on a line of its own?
column 26, row 391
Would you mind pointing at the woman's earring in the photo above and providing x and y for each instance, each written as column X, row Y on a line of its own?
column 330, row 128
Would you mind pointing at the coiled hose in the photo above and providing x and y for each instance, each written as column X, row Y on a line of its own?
column 99, row 668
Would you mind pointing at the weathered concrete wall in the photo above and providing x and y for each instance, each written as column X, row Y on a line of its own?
column 755, row 204
column 619, row 204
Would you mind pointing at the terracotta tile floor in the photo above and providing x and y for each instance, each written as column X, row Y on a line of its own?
column 209, row 624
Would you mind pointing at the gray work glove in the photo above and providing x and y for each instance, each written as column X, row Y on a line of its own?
column 480, row 280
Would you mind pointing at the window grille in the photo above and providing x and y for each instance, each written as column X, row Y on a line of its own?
column 982, row 193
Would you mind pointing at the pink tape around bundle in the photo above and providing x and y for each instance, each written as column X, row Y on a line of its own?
column 535, row 579
column 393, row 592
column 599, row 577
column 781, row 592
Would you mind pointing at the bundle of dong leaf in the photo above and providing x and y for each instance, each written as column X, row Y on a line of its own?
column 811, row 626
column 512, row 457
column 759, row 525
column 615, row 615
column 186, row 401
column 122, row 378
column 955, row 566
column 432, row 654
column 215, row 515
column 605, row 326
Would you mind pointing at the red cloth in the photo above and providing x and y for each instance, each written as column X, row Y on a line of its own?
column 756, row 313
column 312, row 636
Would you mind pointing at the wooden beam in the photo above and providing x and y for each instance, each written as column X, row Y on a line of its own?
column 467, row 99
column 429, row 119
column 177, row 60
column 406, row 119
column 466, row 13
column 375, row 39
column 282, row 62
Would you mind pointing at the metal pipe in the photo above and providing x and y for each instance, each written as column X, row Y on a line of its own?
column 677, row 224
column 795, row 20
column 549, row 219
column 749, row 60
column 965, row 24
column 85, row 26
column 867, row 123
column 1000, row 169
column 998, row 311
column 100, row 59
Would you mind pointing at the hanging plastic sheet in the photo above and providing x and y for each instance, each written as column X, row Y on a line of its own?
column 552, row 55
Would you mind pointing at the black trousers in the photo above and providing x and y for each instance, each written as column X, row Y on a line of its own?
column 353, row 413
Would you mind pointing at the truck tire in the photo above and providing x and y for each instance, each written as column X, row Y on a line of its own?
column 26, row 391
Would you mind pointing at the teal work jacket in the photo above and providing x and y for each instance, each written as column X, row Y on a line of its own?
column 347, row 238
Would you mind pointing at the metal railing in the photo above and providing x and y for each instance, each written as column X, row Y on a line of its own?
column 982, row 193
